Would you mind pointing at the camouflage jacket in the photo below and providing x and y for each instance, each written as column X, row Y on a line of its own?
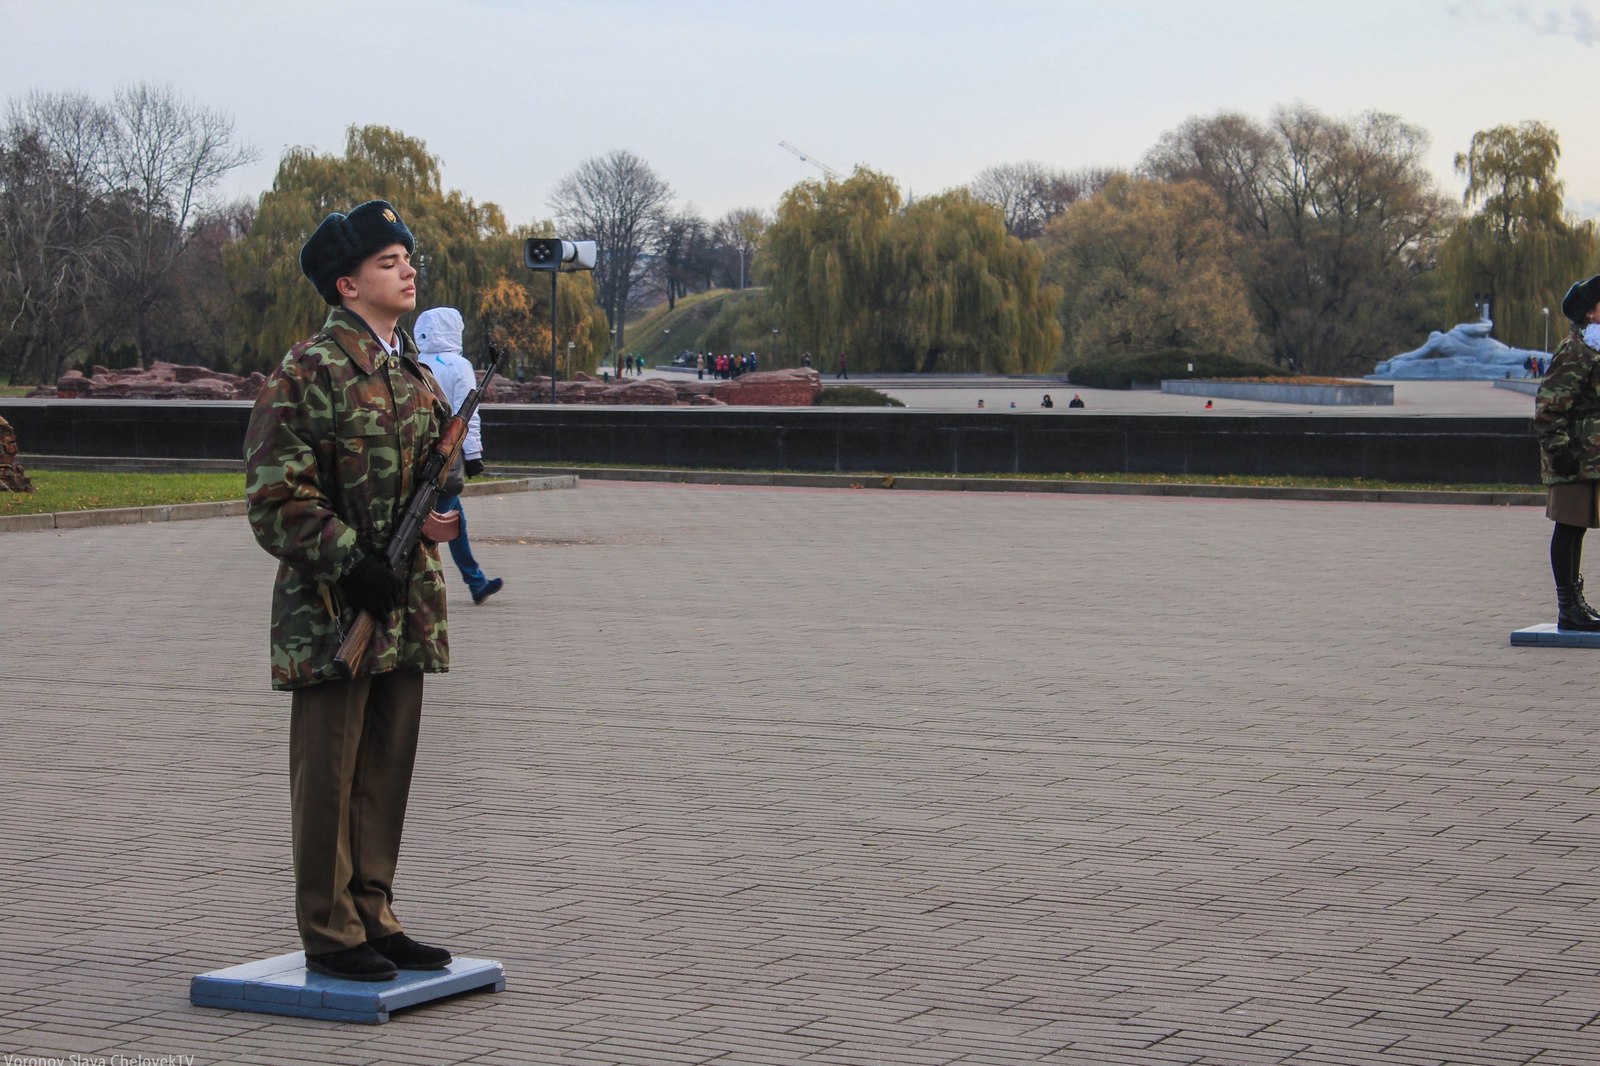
column 336, row 436
column 1566, row 416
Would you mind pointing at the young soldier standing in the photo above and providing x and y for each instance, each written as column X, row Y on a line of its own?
column 335, row 438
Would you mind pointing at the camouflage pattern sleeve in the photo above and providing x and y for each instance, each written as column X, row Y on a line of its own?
column 1566, row 417
column 288, row 463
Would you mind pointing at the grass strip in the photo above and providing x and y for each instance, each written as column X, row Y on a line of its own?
column 80, row 490
column 83, row 490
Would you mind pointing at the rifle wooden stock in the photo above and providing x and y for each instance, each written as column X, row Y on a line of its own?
column 354, row 647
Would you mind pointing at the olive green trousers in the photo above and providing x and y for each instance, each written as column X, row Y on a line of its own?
column 352, row 746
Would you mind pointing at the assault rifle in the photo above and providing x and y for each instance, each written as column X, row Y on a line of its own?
column 419, row 519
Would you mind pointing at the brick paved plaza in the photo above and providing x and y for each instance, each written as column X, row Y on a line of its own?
column 810, row 776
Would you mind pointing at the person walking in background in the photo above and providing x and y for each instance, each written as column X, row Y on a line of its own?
column 700, row 366
column 1566, row 420
column 438, row 333
column 844, row 369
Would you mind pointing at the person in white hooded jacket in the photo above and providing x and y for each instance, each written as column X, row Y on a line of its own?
column 438, row 336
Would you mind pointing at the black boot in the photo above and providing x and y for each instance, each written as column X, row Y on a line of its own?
column 1571, row 614
column 1583, row 604
column 407, row 954
column 360, row 963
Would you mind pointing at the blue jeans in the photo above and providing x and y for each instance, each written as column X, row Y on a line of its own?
column 461, row 548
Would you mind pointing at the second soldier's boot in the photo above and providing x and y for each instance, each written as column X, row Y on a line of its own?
column 1583, row 604
column 1570, row 614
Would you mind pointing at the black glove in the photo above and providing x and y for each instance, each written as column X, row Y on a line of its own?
column 372, row 588
column 1564, row 463
column 474, row 467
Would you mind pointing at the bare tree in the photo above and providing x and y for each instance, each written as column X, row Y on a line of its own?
column 618, row 201
column 197, row 328
column 679, row 236
column 166, row 156
column 736, row 238
column 56, row 246
column 1030, row 194
column 97, row 205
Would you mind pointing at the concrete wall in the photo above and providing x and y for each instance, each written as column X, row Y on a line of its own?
column 1461, row 450
column 1334, row 395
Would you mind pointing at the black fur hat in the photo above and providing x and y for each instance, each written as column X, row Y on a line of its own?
column 1581, row 299
column 341, row 242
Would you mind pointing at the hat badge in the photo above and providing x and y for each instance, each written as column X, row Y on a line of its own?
column 388, row 215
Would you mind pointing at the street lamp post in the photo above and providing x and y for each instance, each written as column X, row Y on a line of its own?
column 557, row 257
column 774, row 346
column 1547, row 329
column 614, row 367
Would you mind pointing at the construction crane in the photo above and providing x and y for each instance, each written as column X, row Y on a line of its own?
column 833, row 175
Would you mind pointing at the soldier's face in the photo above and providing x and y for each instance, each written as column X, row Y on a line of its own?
column 385, row 282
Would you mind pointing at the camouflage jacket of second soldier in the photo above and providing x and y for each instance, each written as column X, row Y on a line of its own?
column 335, row 440
column 1566, row 415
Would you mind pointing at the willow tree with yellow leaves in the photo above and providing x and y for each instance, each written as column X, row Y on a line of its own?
column 971, row 296
column 1518, row 247
column 464, row 248
column 938, row 285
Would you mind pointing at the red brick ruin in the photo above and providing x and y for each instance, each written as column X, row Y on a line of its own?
column 171, row 381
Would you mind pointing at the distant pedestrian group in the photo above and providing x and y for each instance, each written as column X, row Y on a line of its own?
column 725, row 367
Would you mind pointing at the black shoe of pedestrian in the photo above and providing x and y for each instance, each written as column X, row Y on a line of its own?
column 494, row 585
column 408, row 954
column 360, row 963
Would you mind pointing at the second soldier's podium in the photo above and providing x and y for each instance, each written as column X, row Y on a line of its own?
column 1547, row 635
column 283, row 985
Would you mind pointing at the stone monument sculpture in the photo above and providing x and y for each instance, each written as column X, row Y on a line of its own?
column 12, row 478
column 1467, row 352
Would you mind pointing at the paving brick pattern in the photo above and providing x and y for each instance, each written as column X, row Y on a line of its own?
column 772, row 776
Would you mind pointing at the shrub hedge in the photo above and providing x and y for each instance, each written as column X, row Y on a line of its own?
column 855, row 396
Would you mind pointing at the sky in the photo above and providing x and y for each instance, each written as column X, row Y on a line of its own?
column 513, row 94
